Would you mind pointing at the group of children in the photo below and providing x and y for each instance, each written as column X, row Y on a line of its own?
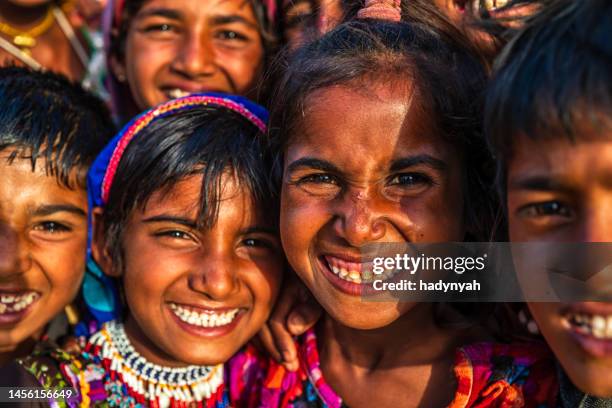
column 177, row 238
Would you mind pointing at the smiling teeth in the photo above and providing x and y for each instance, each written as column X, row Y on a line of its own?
column 208, row 319
column 178, row 93
column 598, row 326
column 354, row 272
column 16, row 303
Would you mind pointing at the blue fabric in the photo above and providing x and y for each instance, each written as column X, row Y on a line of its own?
column 100, row 291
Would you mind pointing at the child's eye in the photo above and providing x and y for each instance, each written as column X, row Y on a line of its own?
column 231, row 35
column 410, row 179
column 319, row 178
column 545, row 209
column 160, row 29
column 175, row 234
column 51, row 227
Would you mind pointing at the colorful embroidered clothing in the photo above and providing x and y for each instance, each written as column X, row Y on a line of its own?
column 107, row 375
column 488, row 375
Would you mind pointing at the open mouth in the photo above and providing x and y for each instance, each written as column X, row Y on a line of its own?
column 176, row 93
column 16, row 302
column 351, row 277
column 590, row 324
column 596, row 326
column 490, row 5
column 204, row 318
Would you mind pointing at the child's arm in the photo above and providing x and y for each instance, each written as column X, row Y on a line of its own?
column 295, row 312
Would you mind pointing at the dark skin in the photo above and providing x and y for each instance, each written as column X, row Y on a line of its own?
column 559, row 191
column 365, row 167
column 43, row 239
column 53, row 50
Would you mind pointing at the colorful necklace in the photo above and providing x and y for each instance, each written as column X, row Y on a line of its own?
column 148, row 384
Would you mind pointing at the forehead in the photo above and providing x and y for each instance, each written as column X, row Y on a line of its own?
column 584, row 158
column 24, row 187
column 362, row 124
column 184, row 198
column 190, row 9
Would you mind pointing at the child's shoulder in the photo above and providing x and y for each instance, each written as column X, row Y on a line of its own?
column 499, row 374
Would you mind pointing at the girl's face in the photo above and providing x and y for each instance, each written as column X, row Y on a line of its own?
column 364, row 166
column 178, row 47
column 196, row 296
column 560, row 191
column 43, row 240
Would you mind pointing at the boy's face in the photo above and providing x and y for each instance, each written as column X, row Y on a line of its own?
column 43, row 240
column 179, row 47
column 196, row 296
column 562, row 191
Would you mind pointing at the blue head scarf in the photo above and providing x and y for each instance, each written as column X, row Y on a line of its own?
column 99, row 291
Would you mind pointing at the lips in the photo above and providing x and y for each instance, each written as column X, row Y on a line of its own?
column 204, row 318
column 350, row 275
column 590, row 324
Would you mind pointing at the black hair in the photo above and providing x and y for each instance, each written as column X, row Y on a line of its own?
column 447, row 72
column 208, row 140
column 44, row 116
column 553, row 75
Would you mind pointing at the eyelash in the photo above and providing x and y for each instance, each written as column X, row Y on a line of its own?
column 319, row 178
column 52, row 227
column 541, row 210
column 164, row 28
column 231, row 35
column 174, row 234
column 416, row 178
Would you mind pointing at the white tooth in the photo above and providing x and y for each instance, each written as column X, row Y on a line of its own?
column 191, row 319
column 599, row 326
column 354, row 275
column 336, row 270
column 343, row 273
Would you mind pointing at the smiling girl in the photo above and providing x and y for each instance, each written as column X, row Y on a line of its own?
column 185, row 220
column 377, row 131
column 165, row 49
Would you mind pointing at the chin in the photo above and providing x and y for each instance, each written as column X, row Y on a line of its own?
column 365, row 315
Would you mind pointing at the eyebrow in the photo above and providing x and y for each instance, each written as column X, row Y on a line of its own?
column 538, row 183
column 161, row 12
column 232, row 18
column 312, row 163
column 259, row 229
column 45, row 210
column 421, row 159
column 187, row 222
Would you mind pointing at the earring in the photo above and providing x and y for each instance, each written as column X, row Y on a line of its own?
column 529, row 323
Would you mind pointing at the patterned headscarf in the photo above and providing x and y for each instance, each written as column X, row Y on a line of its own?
column 99, row 291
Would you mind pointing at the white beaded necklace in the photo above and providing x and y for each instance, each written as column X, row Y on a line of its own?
column 154, row 382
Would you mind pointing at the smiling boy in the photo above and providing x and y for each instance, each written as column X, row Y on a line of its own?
column 50, row 131
column 549, row 118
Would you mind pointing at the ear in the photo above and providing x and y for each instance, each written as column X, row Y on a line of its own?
column 117, row 68
column 99, row 248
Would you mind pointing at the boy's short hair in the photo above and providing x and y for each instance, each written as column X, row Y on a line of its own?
column 44, row 116
column 553, row 77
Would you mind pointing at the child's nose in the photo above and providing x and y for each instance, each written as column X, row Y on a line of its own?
column 14, row 256
column 597, row 226
column 215, row 278
column 196, row 57
column 358, row 221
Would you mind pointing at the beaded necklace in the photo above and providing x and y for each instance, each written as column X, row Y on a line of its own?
column 131, row 380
